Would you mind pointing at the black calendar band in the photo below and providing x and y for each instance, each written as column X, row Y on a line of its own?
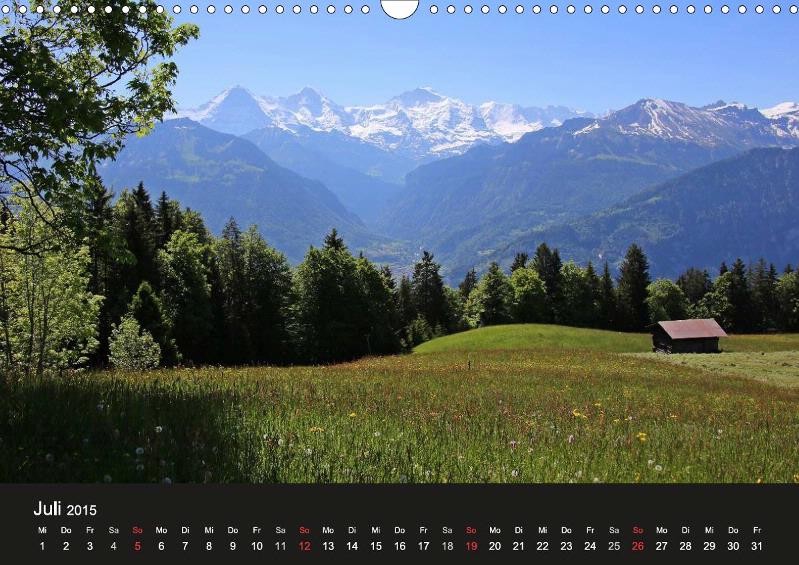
column 398, row 523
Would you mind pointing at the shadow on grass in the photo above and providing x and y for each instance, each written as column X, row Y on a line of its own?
column 91, row 428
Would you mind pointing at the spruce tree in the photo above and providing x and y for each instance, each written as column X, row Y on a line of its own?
column 740, row 298
column 632, row 289
column 548, row 264
column 229, row 253
column 405, row 308
column 135, row 219
column 167, row 219
column 607, row 303
column 428, row 291
column 468, row 284
column 695, row 284
column 519, row 261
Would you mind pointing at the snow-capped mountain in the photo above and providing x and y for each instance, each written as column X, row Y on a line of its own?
column 717, row 124
column 419, row 124
column 786, row 115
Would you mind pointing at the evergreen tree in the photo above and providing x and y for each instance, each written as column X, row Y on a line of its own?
column 723, row 268
column 519, row 261
column 547, row 264
column 762, row 283
column 135, row 221
column 427, row 290
column 146, row 308
column 594, row 287
column 168, row 219
column 404, row 300
column 695, row 284
column 334, row 241
column 229, row 253
column 468, row 284
column 186, row 295
column 740, row 298
column 607, row 307
column 108, row 260
column 632, row 289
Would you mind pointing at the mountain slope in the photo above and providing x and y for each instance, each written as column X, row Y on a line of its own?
column 221, row 176
column 469, row 206
column 744, row 206
column 363, row 194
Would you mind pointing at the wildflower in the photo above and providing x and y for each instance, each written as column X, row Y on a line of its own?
column 571, row 438
column 513, row 444
column 316, row 429
column 719, row 431
column 616, row 420
column 641, row 436
column 796, row 478
column 158, row 429
column 658, row 468
column 106, row 478
column 598, row 404
column 353, row 414
column 167, row 481
column 377, row 434
column 308, row 451
column 100, row 407
column 650, row 462
column 140, row 467
column 577, row 414
column 403, row 478
column 280, row 441
column 139, row 451
column 49, row 458
column 759, row 480
column 596, row 479
column 514, row 473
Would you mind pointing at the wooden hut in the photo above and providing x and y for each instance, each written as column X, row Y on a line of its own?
column 687, row 336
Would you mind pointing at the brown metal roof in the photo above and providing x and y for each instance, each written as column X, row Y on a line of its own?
column 692, row 329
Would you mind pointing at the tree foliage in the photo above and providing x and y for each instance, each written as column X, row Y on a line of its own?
column 72, row 87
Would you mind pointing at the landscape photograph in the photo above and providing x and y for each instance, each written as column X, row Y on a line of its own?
column 309, row 245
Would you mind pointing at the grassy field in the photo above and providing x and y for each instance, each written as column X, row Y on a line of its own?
column 513, row 404
column 775, row 367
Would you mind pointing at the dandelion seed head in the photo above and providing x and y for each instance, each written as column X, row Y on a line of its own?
column 139, row 451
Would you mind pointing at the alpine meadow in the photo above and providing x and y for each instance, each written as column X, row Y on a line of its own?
column 418, row 289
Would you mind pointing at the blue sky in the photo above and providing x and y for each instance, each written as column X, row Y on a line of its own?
column 594, row 62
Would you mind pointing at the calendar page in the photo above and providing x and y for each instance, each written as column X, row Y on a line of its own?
column 399, row 281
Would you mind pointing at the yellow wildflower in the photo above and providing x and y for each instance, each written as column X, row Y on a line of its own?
column 641, row 436
column 353, row 414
